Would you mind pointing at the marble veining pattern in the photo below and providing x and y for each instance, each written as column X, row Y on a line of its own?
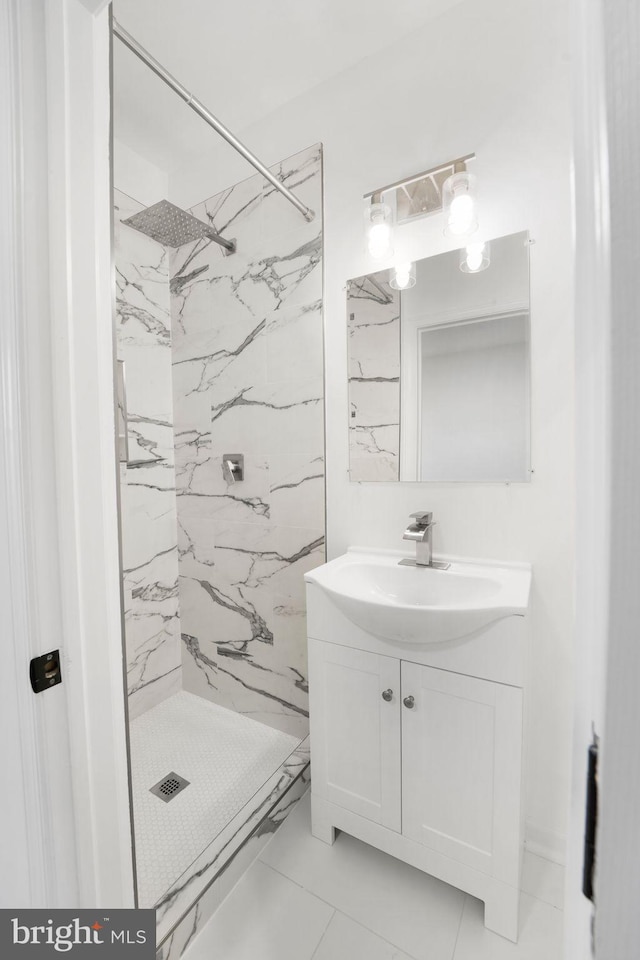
column 248, row 378
column 257, row 817
column 148, row 485
column 237, row 850
column 374, row 381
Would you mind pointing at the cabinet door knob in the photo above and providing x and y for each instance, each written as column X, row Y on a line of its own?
column 409, row 702
column 387, row 694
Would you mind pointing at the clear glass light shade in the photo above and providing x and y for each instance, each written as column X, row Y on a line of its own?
column 378, row 220
column 460, row 204
column 403, row 276
column 475, row 257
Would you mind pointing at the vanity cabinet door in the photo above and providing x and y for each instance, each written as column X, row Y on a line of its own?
column 354, row 706
column 461, row 768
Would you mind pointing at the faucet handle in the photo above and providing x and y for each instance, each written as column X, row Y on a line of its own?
column 423, row 517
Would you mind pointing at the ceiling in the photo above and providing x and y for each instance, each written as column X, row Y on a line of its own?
column 242, row 60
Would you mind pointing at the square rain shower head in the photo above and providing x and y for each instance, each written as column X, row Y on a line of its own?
column 170, row 225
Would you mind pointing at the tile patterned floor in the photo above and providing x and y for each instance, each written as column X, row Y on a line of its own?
column 305, row 900
column 225, row 757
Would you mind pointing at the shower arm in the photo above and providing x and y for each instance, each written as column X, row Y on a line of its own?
column 202, row 111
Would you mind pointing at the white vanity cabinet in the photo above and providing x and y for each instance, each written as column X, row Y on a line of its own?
column 419, row 758
column 461, row 768
column 356, row 731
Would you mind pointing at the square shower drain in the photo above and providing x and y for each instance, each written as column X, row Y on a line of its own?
column 169, row 787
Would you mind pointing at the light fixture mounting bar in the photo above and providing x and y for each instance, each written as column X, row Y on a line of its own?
column 451, row 164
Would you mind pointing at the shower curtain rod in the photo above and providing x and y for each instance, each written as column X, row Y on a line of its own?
column 202, row 111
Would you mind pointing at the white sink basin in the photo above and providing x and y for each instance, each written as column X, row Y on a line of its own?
column 421, row 604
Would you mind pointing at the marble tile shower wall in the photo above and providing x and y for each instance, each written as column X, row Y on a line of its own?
column 374, row 381
column 147, row 487
column 248, row 378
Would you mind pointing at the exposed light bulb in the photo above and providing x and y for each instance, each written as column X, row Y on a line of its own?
column 475, row 257
column 379, row 239
column 403, row 277
column 461, row 215
column 379, row 230
column 460, row 204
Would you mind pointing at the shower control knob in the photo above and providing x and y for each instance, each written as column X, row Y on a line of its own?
column 387, row 695
column 409, row 702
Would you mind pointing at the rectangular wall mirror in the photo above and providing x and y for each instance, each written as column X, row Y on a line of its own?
column 439, row 382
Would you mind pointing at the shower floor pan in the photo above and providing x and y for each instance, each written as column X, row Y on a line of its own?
column 225, row 758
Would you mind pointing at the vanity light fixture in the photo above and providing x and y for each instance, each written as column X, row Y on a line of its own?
column 403, row 276
column 475, row 257
column 459, row 195
column 379, row 228
column 447, row 187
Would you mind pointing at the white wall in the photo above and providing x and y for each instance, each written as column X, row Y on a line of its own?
column 505, row 96
column 135, row 175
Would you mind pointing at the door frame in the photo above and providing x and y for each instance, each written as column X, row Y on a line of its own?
column 72, row 845
column 79, row 74
column 593, row 330
column 26, row 842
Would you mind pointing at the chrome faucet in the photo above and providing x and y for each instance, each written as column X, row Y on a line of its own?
column 421, row 532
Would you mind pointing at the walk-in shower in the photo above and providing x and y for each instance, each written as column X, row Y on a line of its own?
column 223, row 351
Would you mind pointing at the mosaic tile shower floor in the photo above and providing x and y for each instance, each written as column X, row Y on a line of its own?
column 225, row 757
